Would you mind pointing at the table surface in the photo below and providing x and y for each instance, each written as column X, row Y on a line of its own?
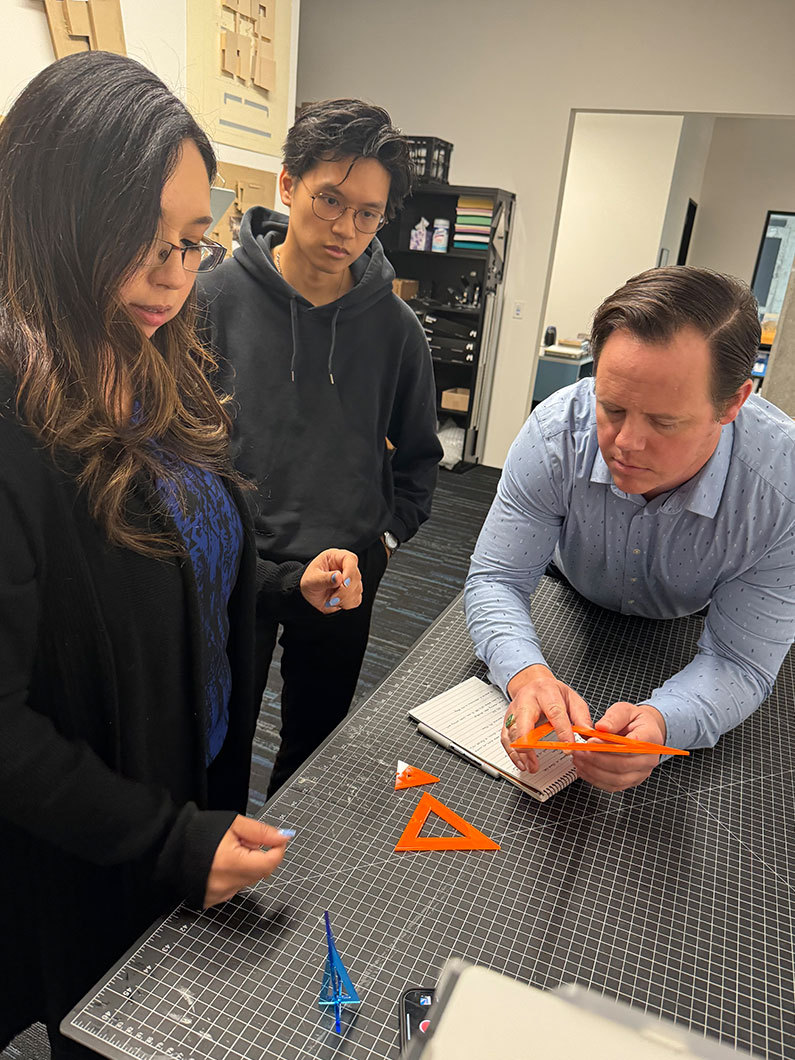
column 565, row 355
column 675, row 897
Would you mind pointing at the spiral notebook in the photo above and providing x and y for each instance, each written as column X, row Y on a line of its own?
column 467, row 719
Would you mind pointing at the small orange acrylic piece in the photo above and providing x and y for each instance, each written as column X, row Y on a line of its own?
column 470, row 838
column 538, row 733
column 407, row 776
column 613, row 742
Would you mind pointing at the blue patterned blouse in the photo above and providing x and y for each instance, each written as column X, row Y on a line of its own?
column 211, row 528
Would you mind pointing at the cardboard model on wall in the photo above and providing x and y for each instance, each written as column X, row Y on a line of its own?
column 239, row 70
column 252, row 187
column 85, row 25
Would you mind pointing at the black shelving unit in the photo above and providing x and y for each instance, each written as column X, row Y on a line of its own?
column 439, row 276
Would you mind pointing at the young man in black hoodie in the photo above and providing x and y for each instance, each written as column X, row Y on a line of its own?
column 326, row 364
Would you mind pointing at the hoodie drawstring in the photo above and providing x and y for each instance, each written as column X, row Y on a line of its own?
column 294, row 329
column 333, row 342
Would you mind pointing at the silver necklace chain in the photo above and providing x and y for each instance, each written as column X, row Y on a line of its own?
column 278, row 260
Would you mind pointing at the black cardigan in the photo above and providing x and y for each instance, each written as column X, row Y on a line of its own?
column 108, row 814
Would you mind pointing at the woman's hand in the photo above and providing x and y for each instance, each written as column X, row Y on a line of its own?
column 240, row 860
column 332, row 581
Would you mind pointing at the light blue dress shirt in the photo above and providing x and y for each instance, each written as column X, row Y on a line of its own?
column 725, row 538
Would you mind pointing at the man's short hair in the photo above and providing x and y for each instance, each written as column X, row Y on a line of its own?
column 658, row 303
column 343, row 128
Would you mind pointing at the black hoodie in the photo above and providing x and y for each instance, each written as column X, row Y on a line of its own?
column 319, row 389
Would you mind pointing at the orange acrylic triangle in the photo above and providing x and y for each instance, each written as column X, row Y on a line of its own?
column 469, row 839
column 407, row 776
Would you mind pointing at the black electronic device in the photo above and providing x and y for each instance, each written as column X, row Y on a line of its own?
column 442, row 326
column 448, row 343
column 415, row 1011
column 448, row 356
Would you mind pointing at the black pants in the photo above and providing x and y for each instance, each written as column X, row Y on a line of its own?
column 321, row 659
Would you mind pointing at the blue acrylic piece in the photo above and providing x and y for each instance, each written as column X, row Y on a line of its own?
column 336, row 988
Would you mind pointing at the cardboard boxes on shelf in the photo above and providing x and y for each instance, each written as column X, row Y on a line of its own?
column 405, row 289
column 455, row 399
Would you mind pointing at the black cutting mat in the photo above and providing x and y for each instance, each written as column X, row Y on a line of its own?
column 675, row 897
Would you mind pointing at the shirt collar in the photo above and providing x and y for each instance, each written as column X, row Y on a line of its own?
column 601, row 472
column 701, row 494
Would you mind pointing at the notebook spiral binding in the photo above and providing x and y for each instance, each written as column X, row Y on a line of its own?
column 559, row 785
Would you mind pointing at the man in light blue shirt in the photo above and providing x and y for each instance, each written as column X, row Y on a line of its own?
column 658, row 488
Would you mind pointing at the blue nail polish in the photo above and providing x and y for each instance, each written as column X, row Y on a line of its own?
column 288, row 832
column 334, row 578
column 347, row 581
column 334, row 601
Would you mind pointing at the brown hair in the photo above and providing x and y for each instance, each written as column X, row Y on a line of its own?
column 84, row 154
column 658, row 303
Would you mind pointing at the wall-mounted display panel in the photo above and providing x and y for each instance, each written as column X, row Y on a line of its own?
column 239, row 70
column 250, row 187
column 85, row 25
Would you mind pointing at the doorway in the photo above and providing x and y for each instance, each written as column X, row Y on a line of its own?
column 687, row 232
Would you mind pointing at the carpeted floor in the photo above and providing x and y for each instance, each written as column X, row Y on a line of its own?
column 420, row 582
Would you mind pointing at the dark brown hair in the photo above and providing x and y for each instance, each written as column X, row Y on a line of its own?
column 84, row 154
column 343, row 128
column 658, row 303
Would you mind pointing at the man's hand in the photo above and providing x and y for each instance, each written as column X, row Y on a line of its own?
column 537, row 694
column 240, row 860
column 617, row 772
column 332, row 581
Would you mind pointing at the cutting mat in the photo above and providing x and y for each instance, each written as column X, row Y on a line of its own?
column 676, row 897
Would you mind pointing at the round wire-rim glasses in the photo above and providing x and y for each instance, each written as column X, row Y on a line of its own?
column 196, row 257
column 329, row 208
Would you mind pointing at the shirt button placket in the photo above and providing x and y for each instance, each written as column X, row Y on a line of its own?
column 632, row 565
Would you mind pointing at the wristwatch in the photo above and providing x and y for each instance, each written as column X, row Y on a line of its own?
column 390, row 541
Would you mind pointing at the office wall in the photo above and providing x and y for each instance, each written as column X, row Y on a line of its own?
column 501, row 81
column 750, row 170
column 687, row 181
column 614, row 202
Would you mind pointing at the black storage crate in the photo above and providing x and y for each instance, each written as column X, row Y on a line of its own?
column 431, row 158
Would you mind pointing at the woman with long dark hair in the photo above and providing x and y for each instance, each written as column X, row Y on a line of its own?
column 127, row 565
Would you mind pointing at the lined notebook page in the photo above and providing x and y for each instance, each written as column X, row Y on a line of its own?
column 471, row 715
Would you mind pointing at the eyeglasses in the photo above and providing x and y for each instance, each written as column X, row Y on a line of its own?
column 196, row 257
column 329, row 208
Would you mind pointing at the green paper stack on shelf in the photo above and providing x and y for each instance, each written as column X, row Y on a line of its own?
column 473, row 222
